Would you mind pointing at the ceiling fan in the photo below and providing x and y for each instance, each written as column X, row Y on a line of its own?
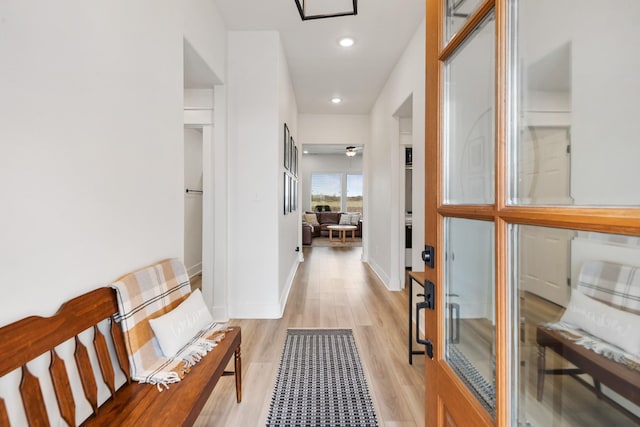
column 352, row 150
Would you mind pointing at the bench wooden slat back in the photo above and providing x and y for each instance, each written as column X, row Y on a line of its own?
column 26, row 339
column 104, row 360
column 31, row 392
column 121, row 351
column 87, row 377
column 32, row 336
column 62, row 388
column 4, row 417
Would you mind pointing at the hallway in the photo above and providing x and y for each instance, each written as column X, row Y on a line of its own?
column 331, row 289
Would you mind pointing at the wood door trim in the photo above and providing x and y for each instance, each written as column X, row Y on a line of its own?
column 604, row 220
column 453, row 386
column 461, row 36
column 433, row 196
column 501, row 289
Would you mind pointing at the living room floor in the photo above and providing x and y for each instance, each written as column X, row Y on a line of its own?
column 333, row 288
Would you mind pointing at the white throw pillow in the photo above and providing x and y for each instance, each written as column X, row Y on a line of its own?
column 176, row 328
column 345, row 219
column 614, row 326
column 354, row 217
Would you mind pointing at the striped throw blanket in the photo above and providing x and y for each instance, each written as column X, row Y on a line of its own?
column 149, row 293
column 616, row 285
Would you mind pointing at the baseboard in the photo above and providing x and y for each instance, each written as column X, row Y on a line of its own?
column 285, row 295
column 194, row 270
column 380, row 273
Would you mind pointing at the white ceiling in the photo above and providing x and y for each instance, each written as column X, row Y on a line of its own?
column 321, row 69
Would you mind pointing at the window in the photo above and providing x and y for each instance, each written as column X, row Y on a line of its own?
column 354, row 193
column 326, row 190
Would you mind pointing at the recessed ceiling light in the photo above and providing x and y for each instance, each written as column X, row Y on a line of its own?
column 305, row 152
column 346, row 41
column 336, row 100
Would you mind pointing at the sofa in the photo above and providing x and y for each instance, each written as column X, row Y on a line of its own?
column 314, row 224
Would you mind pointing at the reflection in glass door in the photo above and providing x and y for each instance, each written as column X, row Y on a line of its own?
column 575, row 293
column 469, row 306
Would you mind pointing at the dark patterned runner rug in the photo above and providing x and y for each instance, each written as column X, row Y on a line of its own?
column 321, row 382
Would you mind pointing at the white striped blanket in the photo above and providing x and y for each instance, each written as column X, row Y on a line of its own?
column 149, row 293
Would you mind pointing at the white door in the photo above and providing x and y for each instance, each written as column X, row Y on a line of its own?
column 544, row 257
column 544, row 166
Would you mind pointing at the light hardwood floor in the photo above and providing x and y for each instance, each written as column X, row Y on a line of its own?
column 332, row 289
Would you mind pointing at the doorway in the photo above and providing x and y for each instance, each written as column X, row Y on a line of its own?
column 193, row 182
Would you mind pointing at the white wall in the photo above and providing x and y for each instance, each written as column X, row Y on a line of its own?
column 383, row 158
column 193, row 201
column 206, row 32
column 91, row 158
column 323, row 163
column 289, row 230
column 256, row 86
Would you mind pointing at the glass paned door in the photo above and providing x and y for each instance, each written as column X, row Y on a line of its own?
column 469, row 118
column 576, row 141
column 469, row 306
column 576, row 358
column 458, row 13
column 539, row 224
column 574, row 292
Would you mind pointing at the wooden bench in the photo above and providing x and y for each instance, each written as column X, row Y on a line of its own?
column 617, row 286
column 619, row 378
column 127, row 404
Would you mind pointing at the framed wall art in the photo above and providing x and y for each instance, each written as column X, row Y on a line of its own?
column 287, row 148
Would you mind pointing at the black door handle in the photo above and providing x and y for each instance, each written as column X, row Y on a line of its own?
column 426, row 342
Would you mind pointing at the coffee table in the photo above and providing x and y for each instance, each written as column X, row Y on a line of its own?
column 342, row 232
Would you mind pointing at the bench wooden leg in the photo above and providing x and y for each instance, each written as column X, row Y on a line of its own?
column 238, row 369
column 541, row 371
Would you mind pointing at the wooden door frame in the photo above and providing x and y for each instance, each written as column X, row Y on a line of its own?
column 601, row 219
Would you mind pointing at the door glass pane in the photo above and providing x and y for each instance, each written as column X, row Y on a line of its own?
column 469, row 118
column 326, row 192
column 576, row 317
column 354, row 193
column 458, row 12
column 470, row 301
column 577, row 91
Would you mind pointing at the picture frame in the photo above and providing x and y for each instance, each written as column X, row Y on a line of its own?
column 287, row 148
column 286, row 194
column 295, row 195
column 295, row 161
column 291, row 145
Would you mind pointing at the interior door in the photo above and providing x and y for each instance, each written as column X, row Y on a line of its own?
column 544, row 260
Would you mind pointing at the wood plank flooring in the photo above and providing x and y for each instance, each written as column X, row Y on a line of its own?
column 332, row 289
